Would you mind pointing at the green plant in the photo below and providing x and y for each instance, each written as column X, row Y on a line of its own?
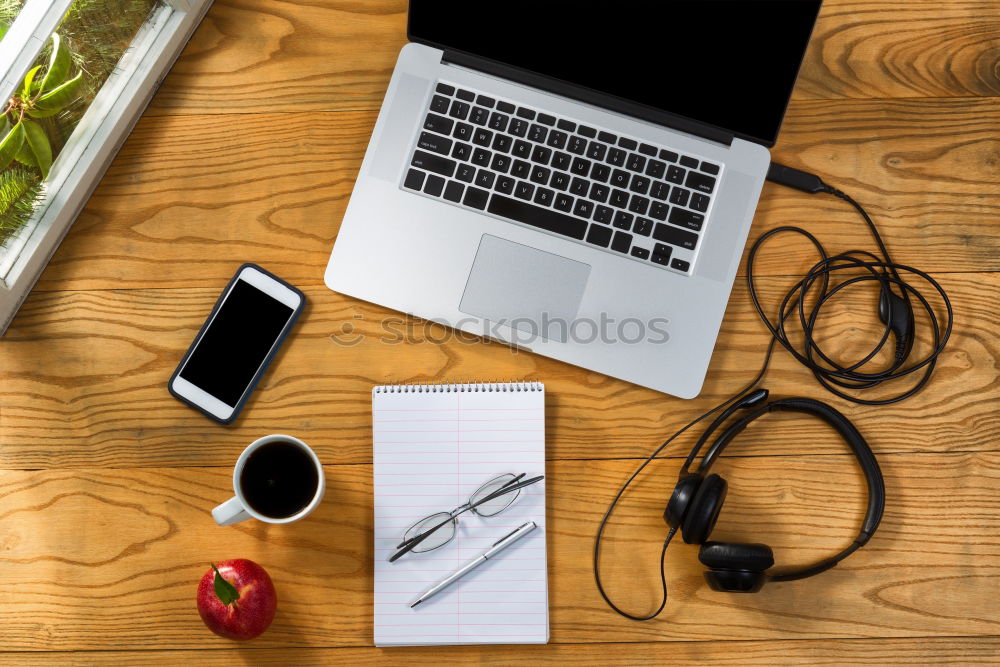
column 24, row 139
column 20, row 192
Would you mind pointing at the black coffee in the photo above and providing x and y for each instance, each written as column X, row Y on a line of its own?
column 279, row 479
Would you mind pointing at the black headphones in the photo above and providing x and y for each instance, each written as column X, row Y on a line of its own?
column 698, row 497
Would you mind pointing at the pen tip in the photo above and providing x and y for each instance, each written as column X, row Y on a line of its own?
column 415, row 604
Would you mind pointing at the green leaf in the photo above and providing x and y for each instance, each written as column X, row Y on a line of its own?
column 59, row 65
column 3, row 29
column 28, row 79
column 11, row 144
column 225, row 590
column 56, row 100
column 25, row 156
column 35, row 138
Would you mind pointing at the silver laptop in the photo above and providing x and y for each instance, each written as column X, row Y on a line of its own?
column 574, row 182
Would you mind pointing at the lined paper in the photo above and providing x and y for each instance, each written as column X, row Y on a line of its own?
column 433, row 447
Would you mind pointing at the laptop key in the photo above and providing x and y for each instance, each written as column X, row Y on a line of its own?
column 544, row 196
column 461, row 151
column 577, row 145
column 628, row 144
column 679, row 264
column 541, row 154
column 675, row 174
column 580, row 166
column 481, row 157
column 643, row 226
column 607, row 137
column 537, row 133
column 463, row 132
column 564, row 202
column 599, row 236
column 660, row 190
column 524, row 190
column 536, row 216
column 583, row 208
column 588, row 132
column 506, row 107
column 482, row 137
column 414, row 179
column 638, row 205
column 475, row 197
column 699, row 202
column 579, row 187
column 505, row 184
column 682, row 218
column 622, row 242
column 518, row 127
column 661, row 254
column 459, row 110
column 623, row 220
column 466, row 173
column 566, row 125
column 639, row 184
column 522, row 148
column 453, row 191
column 600, row 172
column 520, row 169
column 658, row 210
column 498, row 121
column 669, row 156
column 596, row 151
column 561, row 160
column 619, row 198
column 501, row 163
column 445, row 89
column 526, row 113
column 641, row 253
column 679, row 196
column 502, row 142
column 485, row 101
column 546, row 119
column 616, row 156
column 557, row 139
column 540, row 174
column 603, row 214
column 701, row 182
column 439, row 124
column 431, row 162
column 440, row 103
column 484, row 179
column 434, row 185
column 466, row 95
column 479, row 116
column 646, row 149
column 709, row 168
column 655, row 168
column 690, row 162
column 675, row 236
column 560, row 181
column 636, row 162
column 619, row 178
column 599, row 192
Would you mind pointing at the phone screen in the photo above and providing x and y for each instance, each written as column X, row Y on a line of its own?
column 236, row 342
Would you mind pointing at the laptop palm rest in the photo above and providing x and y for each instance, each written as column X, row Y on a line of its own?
column 525, row 288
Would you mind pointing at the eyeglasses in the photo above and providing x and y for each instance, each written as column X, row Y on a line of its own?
column 439, row 529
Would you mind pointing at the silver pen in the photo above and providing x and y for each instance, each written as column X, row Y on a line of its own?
column 497, row 547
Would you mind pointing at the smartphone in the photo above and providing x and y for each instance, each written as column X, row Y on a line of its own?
column 237, row 343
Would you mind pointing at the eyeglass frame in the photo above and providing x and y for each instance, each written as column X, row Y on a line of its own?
column 406, row 546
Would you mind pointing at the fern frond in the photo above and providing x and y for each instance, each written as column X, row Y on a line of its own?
column 20, row 191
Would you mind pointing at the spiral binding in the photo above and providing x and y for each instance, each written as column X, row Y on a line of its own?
column 472, row 386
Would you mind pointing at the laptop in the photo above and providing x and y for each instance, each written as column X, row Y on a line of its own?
column 574, row 181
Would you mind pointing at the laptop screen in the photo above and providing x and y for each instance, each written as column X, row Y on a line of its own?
column 727, row 63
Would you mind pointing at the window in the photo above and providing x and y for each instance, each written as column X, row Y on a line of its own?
column 75, row 76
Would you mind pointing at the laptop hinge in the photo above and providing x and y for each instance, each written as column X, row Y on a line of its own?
column 589, row 96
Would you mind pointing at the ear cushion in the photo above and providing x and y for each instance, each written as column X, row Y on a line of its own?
column 735, row 581
column 680, row 499
column 736, row 556
column 703, row 511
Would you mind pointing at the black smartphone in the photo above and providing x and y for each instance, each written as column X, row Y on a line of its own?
column 236, row 344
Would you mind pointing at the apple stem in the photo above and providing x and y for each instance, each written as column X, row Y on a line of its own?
column 224, row 590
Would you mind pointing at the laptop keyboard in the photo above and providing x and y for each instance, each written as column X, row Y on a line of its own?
column 636, row 200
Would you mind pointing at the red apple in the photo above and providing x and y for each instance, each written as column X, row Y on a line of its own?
column 236, row 599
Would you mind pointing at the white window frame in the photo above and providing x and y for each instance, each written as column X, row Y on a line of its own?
column 98, row 136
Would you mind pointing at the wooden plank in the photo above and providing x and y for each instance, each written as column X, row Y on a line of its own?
column 109, row 559
column 837, row 652
column 339, row 54
column 186, row 201
column 83, row 382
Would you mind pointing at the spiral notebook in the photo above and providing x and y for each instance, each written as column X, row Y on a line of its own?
column 434, row 445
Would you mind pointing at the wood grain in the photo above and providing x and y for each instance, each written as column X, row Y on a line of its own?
column 84, row 382
column 117, row 563
column 187, row 199
column 923, row 651
column 262, row 55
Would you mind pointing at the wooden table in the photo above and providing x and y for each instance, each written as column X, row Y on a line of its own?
column 249, row 152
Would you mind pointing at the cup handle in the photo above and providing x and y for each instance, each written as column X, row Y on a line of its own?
column 230, row 512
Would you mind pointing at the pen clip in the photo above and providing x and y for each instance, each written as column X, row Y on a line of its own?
column 510, row 533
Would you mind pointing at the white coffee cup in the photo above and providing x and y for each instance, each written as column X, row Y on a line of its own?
column 238, row 508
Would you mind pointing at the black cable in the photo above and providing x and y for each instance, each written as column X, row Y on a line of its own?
column 882, row 270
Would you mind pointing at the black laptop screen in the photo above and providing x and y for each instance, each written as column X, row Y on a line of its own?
column 728, row 63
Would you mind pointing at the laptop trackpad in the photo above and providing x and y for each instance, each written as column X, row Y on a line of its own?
column 525, row 288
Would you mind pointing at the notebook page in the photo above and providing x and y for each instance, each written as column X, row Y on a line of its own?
column 431, row 452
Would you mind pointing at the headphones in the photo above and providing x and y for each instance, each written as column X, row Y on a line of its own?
column 698, row 497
